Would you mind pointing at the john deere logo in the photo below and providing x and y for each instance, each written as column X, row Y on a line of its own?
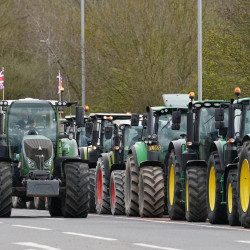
column 40, row 148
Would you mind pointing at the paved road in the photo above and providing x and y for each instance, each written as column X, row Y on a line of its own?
column 36, row 230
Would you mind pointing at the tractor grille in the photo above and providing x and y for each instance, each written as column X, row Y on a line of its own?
column 35, row 147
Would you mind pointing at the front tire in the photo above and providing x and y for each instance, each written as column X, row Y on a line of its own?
column 176, row 207
column 116, row 188
column 39, row 203
column 231, row 196
column 18, row 202
column 216, row 211
column 76, row 202
column 131, row 188
column 5, row 189
column 244, row 185
column 92, row 206
column 151, row 192
column 102, row 199
column 195, row 187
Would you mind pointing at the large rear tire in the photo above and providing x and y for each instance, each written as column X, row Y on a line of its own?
column 232, row 198
column 18, row 202
column 92, row 206
column 216, row 211
column 151, row 192
column 5, row 189
column 244, row 185
column 39, row 203
column 195, row 187
column 55, row 206
column 76, row 202
column 30, row 204
column 116, row 189
column 176, row 207
column 131, row 188
column 102, row 199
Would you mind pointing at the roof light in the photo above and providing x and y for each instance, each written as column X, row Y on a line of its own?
column 237, row 91
column 86, row 108
column 191, row 95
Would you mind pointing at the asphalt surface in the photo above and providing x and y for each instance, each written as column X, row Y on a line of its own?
column 36, row 230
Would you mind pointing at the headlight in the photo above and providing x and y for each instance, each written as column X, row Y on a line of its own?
column 154, row 136
column 48, row 163
column 149, row 136
column 149, row 142
column 31, row 163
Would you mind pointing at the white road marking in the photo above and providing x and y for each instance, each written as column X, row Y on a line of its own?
column 243, row 241
column 153, row 246
column 89, row 236
column 52, row 218
column 32, row 244
column 1, row 222
column 207, row 225
column 38, row 228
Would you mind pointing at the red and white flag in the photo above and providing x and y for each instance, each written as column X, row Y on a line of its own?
column 59, row 77
column 2, row 80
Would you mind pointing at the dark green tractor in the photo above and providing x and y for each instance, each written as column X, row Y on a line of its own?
column 97, row 144
column 146, row 161
column 110, row 169
column 187, row 162
column 36, row 160
column 228, row 174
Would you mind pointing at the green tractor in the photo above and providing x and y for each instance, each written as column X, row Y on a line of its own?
column 97, row 144
column 187, row 162
column 228, row 174
column 37, row 161
column 110, row 169
column 146, row 162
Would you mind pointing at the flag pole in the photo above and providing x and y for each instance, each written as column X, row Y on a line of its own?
column 3, row 87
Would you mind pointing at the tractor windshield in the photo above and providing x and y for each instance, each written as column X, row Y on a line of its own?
column 131, row 136
column 30, row 119
column 166, row 134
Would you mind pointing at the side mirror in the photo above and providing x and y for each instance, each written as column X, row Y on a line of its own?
column 219, row 115
column 135, row 120
column 88, row 129
column 219, row 124
column 108, row 131
column 80, row 116
column 176, row 117
column 176, row 126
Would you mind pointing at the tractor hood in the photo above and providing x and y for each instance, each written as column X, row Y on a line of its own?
column 39, row 150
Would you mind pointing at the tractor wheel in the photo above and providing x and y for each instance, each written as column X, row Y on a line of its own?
column 176, row 207
column 244, row 185
column 116, row 189
column 195, row 187
column 5, row 189
column 76, row 201
column 232, row 199
column 18, row 202
column 151, row 192
column 102, row 199
column 92, row 208
column 30, row 204
column 39, row 203
column 54, row 206
column 131, row 188
column 216, row 211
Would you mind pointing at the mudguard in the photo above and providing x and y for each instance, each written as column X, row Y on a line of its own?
column 139, row 152
column 108, row 161
column 69, row 147
column 219, row 146
column 246, row 138
column 178, row 146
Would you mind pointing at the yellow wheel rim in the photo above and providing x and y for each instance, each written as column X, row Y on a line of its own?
column 187, row 200
column 171, row 185
column 244, row 185
column 230, row 198
column 212, row 188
